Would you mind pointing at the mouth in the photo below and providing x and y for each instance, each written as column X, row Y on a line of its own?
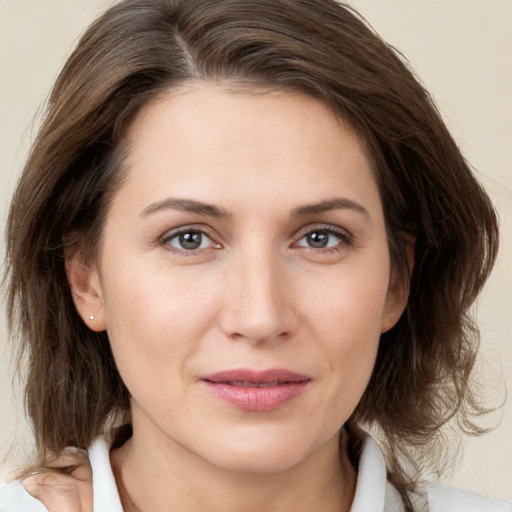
column 254, row 390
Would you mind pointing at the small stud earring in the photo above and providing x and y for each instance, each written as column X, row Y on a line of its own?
column 91, row 317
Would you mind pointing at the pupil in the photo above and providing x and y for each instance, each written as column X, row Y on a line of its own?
column 318, row 240
column 191, row 240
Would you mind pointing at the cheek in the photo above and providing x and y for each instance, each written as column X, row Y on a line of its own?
column 349, row 304
column 347, row 317
column 156, row 318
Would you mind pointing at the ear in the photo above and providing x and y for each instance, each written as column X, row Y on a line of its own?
column 398, row 290
column 86, row 290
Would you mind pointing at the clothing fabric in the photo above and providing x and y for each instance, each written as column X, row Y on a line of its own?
column 373, row 492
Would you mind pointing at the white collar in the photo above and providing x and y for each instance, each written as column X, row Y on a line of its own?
column 371, row 479
column 106, row 497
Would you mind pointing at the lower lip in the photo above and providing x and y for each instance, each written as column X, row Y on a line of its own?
column 257, row 398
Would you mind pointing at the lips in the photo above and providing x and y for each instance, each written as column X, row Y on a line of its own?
column 254, row 390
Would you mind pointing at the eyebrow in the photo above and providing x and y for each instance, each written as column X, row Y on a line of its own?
column 339, row 203
column 186, row 205
column 210, row 210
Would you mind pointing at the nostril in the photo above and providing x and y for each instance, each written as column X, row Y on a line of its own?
column 257, row 327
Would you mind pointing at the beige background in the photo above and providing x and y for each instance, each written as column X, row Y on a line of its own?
column 462, row 49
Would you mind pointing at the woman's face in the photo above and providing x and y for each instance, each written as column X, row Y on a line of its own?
column 244, row 276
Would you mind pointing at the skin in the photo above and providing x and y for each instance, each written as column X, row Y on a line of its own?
column 58, row 492
column 257, row 293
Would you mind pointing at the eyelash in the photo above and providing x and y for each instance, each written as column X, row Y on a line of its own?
column 346, row 239
column 166, row 239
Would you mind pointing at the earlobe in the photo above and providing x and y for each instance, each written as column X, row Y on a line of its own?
column 398, row 291
column 396, row 302
column 86, row 290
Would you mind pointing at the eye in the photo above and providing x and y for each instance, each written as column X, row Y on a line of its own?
column 322, row 239
column 189, row 240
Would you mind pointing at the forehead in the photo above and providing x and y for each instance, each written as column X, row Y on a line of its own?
column 211, row 140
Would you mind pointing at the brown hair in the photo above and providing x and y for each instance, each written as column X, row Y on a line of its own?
column 140, row 48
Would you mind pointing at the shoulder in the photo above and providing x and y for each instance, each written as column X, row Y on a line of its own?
column 436, row 497
column 90, row 485
column 442, row 498
column 14, row 497
column 375, row 492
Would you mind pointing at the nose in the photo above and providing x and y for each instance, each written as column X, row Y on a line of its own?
column 259, row 306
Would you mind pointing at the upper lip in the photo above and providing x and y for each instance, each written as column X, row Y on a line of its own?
column 277, row 375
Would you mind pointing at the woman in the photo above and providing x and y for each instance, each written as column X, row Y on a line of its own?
column 254, row 237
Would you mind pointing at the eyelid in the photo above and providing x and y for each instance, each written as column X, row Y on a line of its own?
column 199, row 228
column 345, row 236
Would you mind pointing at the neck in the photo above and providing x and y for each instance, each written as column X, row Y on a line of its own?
column 152, row 476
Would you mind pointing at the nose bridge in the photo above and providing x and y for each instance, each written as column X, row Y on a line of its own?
column 259, row 307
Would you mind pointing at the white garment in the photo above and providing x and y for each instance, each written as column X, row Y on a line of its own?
column 373, row 492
